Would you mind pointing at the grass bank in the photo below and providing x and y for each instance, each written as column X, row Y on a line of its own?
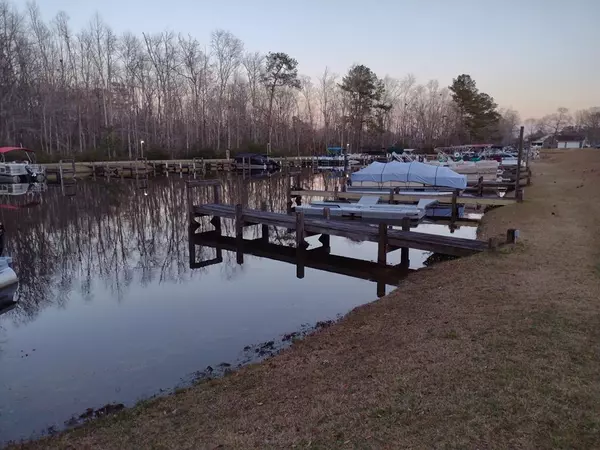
column 492, row 351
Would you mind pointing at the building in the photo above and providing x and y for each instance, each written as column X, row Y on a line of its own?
column 570, row 141
column 543, row 142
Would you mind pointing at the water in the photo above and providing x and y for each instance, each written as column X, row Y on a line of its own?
column 110, row 311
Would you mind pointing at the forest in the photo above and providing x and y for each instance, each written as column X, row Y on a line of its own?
column 93, row 94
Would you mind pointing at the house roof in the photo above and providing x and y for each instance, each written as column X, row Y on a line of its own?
column 569, row 138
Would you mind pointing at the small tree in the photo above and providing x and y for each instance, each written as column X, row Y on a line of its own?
column 478, row 110
column 280, row 71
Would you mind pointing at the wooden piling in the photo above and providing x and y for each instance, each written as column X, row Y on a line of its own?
column 264, row 232
column 404, row 251
column 300, row 250
column 382, row 245
column 217, row 194
column 239, row 233
column 190, row 203
column 519, row 159
column 511, row 236
column 325, row 239
column 454, row 213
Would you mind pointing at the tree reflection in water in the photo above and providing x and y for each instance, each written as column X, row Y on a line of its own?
column 122, row 232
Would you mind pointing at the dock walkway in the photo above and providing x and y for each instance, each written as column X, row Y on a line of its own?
column 365, row 232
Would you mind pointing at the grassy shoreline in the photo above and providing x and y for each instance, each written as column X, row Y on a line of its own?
column 497, row 350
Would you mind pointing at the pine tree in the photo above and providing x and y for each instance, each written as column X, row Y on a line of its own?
column 365, row 91
column 478, row 109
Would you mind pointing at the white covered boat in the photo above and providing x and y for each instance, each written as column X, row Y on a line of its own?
column 368, row 208
column 407, row 175
column 22, row 170
column 378, row 178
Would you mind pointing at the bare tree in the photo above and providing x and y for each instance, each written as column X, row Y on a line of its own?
column 228, row 51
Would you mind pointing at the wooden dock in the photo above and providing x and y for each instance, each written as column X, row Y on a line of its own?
column 364, row 232
column 135, row 168
column 318, row 258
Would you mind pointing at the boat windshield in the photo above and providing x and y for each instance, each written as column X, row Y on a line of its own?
column 17, row 156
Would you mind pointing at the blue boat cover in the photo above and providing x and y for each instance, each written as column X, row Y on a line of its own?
column 413, row 172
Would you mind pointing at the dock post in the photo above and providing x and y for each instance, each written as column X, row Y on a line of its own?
column 404, row 251
column 300, row 250
column 382, row 245
column 454, row 216
column 519, row 195
column 527, row 167
column 264, row 229
column 217, row 194
column 325, row 239
column 519, row 159
column 239, row 233
column 512, row 236
column 190, row 206
column 289, row 196
column 245, row 186
column 480, row 186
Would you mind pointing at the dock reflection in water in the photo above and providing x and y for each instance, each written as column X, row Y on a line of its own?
column 109, row 309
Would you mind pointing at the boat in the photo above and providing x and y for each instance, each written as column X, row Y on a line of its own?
column 368, row 208
column 250, row 161
column 20, row 170
column 8, row 279
column 9, row 283
column 272, row 164
column 7, row 275
column 378, row 179
column 407, row 175
column 254, row 161
column 22, row 188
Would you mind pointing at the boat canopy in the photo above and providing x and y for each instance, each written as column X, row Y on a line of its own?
column 12, row 149
column 413, row 172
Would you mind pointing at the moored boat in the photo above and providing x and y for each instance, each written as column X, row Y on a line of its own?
column 20, row 170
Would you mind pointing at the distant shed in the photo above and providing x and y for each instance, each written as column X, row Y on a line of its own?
column 570, row 141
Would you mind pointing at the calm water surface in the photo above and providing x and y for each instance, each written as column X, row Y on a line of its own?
column 110, row 311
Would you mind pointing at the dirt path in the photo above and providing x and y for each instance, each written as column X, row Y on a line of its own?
column 493, row 351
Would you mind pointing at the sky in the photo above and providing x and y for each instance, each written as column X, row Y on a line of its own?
column 531, row 55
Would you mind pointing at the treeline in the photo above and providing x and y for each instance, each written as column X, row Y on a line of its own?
column 584, row 123
column 93, row 94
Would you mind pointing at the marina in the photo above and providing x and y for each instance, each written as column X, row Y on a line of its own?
column 122, row 239
column 121, row 268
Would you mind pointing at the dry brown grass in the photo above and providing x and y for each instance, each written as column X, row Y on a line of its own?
column 493, row 351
